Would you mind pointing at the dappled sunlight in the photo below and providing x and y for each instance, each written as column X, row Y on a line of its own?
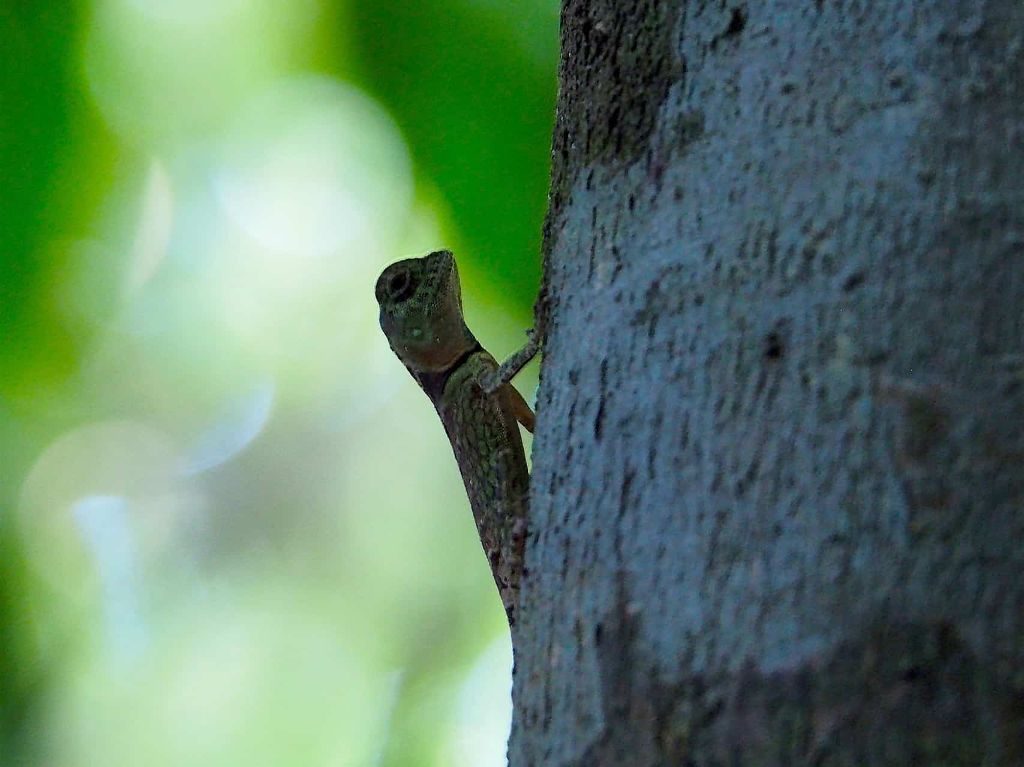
column 105, row 526
column 117, row 473
column 187, row 12
column 483, row 716
column 313, row 168
column 231, row 431
column 154, row 228
column 244, row 677
column 244, row 537
column 161, row 72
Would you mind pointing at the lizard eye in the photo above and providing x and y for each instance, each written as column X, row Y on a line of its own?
column 401, row 287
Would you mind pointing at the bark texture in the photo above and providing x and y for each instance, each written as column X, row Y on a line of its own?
column 778, row 489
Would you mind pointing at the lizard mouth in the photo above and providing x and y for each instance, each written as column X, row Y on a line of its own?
column 440, row 262
column 443, row 273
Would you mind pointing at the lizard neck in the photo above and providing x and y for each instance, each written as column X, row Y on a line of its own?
column 434, row 381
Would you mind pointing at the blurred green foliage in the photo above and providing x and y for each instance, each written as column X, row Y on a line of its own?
column 485, row 72
column 231, row 530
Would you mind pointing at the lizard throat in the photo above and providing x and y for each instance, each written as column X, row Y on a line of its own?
column 434, row 381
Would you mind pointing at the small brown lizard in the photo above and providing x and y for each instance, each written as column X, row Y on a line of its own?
column 421, row 315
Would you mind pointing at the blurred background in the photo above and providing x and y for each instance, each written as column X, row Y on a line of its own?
column 231, row 528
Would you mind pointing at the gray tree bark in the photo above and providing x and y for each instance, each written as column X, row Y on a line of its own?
column 778, row 489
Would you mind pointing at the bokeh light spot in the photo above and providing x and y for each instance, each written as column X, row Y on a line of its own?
column 126, row 460
column 315, row 168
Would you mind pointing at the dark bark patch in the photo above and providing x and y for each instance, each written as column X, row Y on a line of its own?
column 737, row 22
column 920, row 680
column 1001, row 321
column 601, row 403
column 599, row 421
column 629, row 718
column 773, row 346
column 926, row 420
column 853, row 281
column 664, row 298
column 775, row 343
column 927, row 424
column 689, row 128
column 623, row 62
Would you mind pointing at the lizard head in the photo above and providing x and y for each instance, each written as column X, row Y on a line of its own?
column 421, row 311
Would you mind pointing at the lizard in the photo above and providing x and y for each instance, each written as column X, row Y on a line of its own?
column 421, row 315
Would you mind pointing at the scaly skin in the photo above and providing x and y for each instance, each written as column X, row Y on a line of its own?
column 421, row 315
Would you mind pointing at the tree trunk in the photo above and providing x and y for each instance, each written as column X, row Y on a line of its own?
column 778, row 488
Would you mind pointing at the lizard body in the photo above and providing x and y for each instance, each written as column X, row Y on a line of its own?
column 421, row 315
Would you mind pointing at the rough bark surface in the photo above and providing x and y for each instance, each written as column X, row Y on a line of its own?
column 778, row 489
